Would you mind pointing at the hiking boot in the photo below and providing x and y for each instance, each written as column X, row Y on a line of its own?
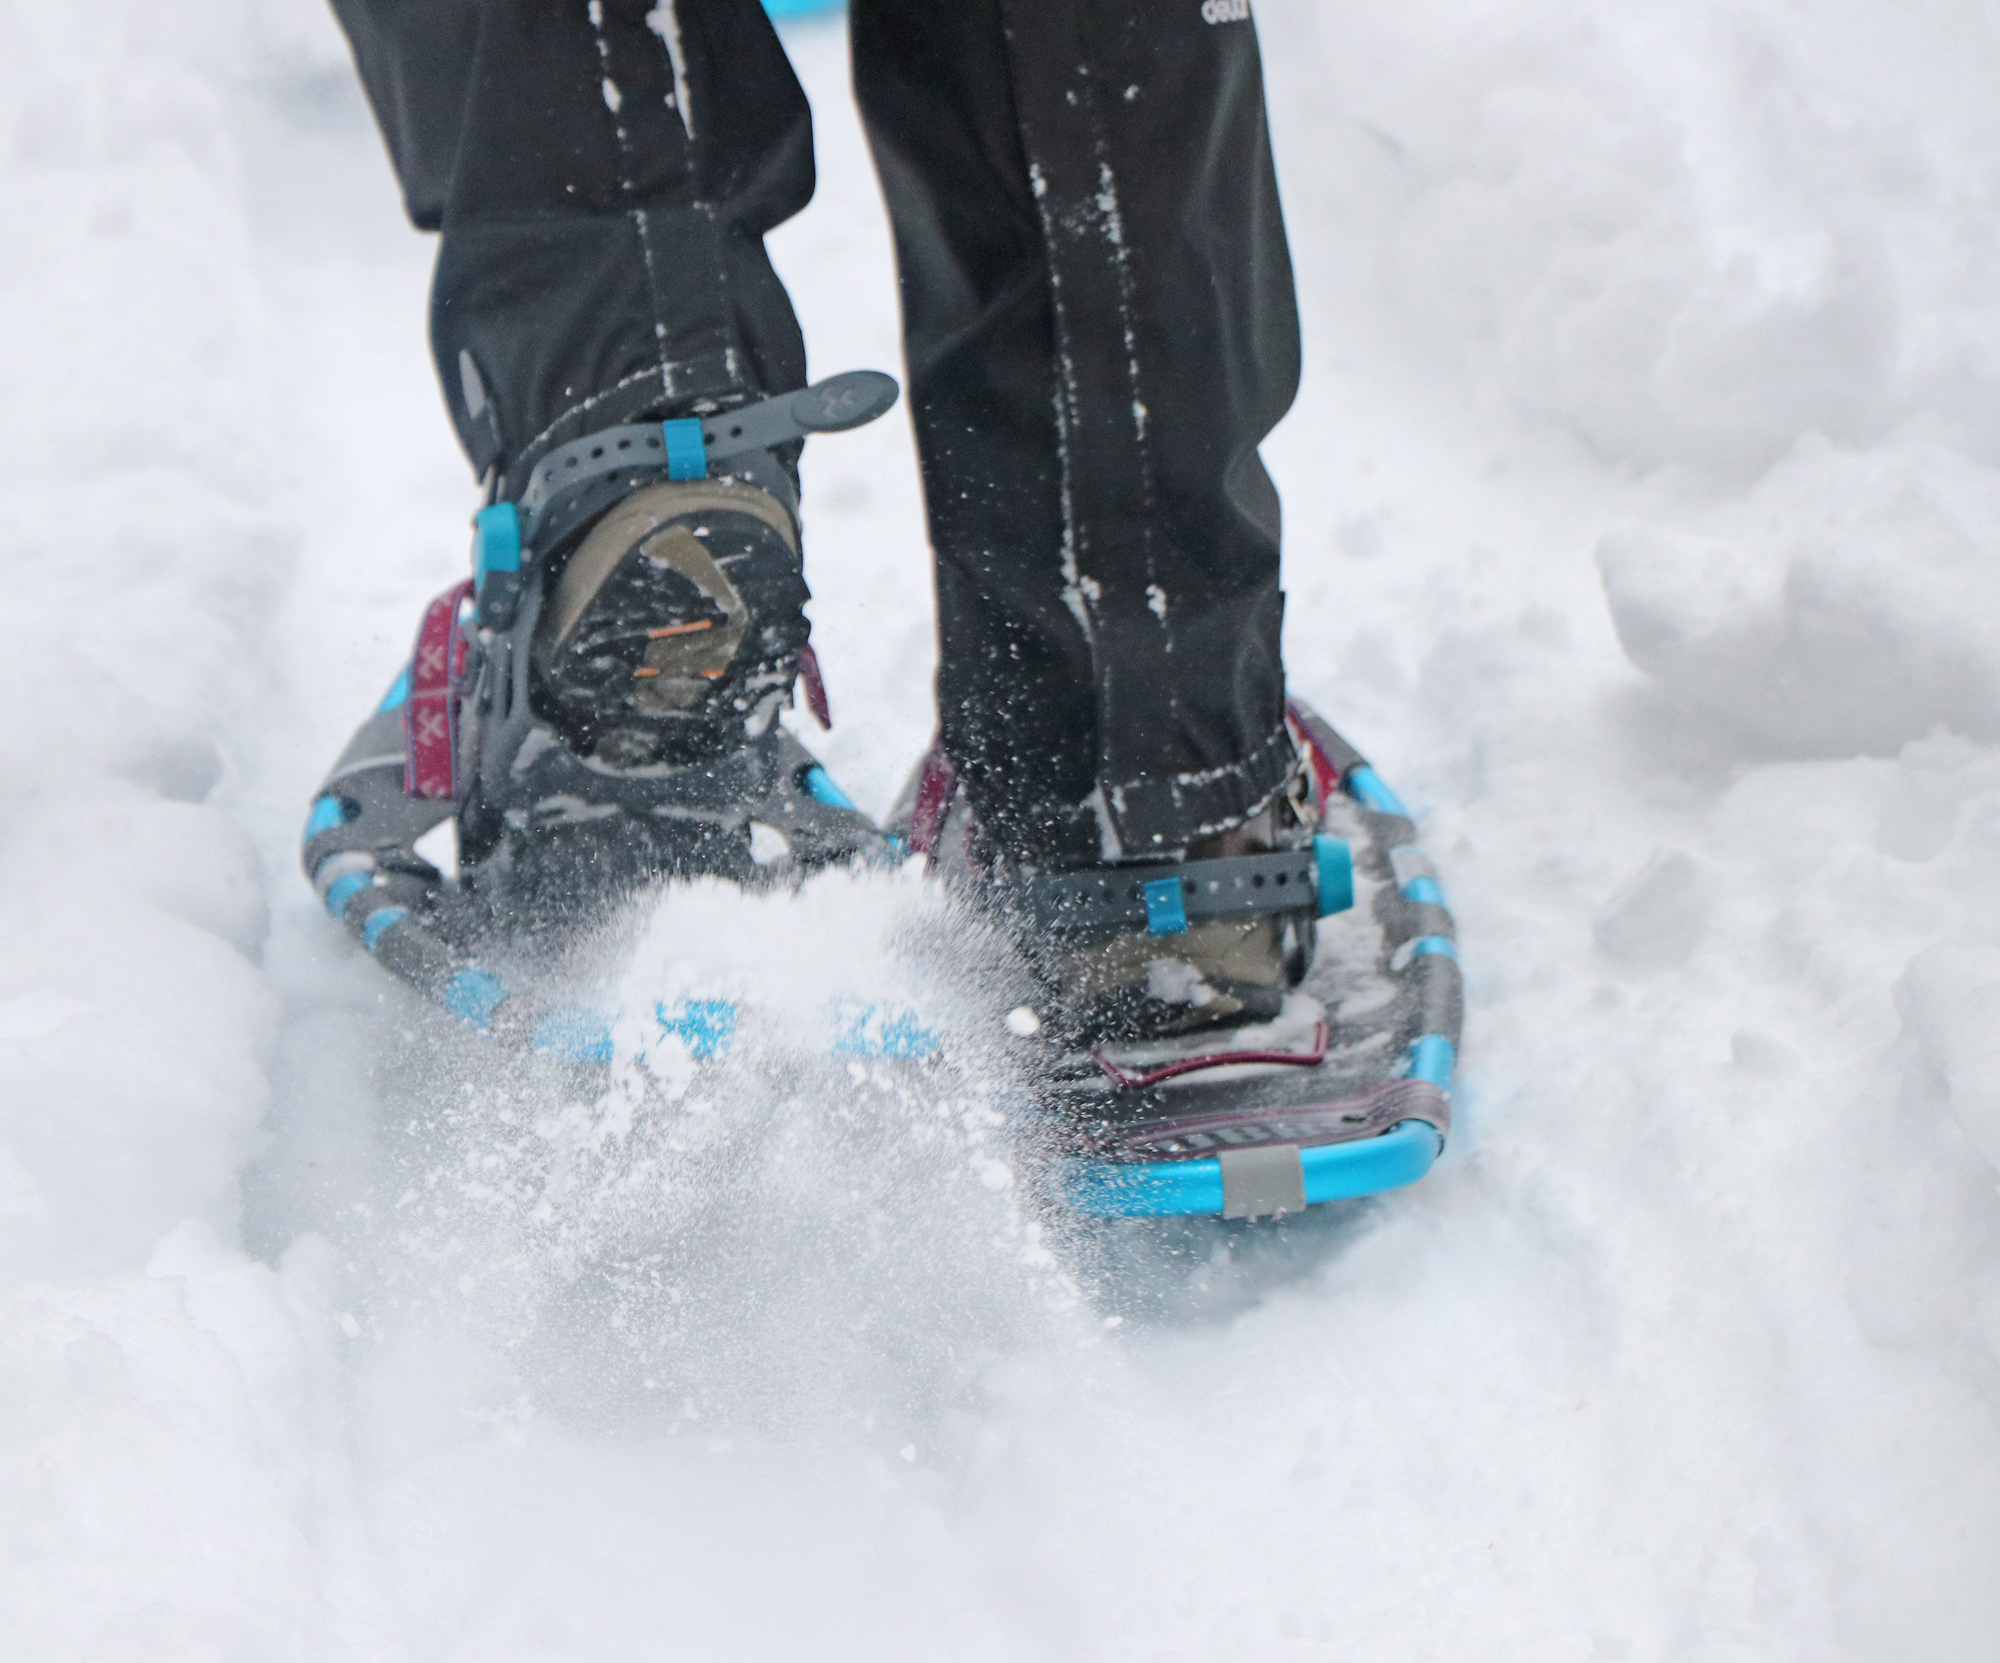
column 673, row 630
column 658, row 651
column 598, row 708
column 1218, row 973
column 1211, row 941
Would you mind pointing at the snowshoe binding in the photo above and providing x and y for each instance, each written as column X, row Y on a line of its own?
column 596, row 709
column 1230, row 1033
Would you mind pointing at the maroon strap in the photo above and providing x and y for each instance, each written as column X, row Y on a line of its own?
column 430, row 716
column 1128, row 1080
column 936, row 786
column 1327, row 773
column 815, row 686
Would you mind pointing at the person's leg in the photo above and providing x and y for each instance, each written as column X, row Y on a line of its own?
column 1100, row 329
column 603, row 175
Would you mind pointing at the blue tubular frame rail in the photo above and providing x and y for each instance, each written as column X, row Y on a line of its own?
column 1419, row 956
column 399, row 911
column 370, row 879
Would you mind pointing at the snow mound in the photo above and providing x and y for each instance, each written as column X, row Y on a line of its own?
column 1846, row 604
column 138, row 560
column 1950, row 1000
column 1689, row 235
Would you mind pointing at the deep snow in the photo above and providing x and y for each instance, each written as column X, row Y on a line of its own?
column 1644, row 523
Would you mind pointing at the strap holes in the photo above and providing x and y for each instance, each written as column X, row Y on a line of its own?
column 1257, row 881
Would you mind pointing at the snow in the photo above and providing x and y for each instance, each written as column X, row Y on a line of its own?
column 1643, row 502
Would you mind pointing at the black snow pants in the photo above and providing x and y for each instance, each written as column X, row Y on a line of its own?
column 1098, row 319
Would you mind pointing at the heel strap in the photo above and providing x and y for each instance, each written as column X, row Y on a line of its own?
column 1165, row 900
column 688, row 448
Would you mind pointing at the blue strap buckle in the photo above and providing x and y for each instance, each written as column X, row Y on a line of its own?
column 687, row 450
column 1166, row 912
column 496, row 563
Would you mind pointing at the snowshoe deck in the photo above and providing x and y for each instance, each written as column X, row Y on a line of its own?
column 1346, row 1094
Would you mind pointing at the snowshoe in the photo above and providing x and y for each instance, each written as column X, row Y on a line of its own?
column 596, row 708
column 1230, row 1033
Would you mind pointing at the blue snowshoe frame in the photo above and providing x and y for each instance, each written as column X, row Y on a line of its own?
column 1373, row 1116
column 1420, row 1020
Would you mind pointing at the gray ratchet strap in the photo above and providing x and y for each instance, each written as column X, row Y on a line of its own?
column 1166, row 900
column 688, row 448
column 576, row 482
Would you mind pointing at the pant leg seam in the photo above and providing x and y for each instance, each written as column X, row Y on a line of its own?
column 625, row 182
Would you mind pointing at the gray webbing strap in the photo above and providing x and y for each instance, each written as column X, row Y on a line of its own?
column 1163, row 900
column 831, row 406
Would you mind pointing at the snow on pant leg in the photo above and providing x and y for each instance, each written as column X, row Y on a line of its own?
column 603, row 173
column 1100, row 328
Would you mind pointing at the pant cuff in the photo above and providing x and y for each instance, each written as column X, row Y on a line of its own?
column 1160, row 816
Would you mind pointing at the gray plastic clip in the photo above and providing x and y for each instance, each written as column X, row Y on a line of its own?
column 1262, row 1183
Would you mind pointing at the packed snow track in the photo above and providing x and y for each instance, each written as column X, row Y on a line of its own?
column 1643, row 524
